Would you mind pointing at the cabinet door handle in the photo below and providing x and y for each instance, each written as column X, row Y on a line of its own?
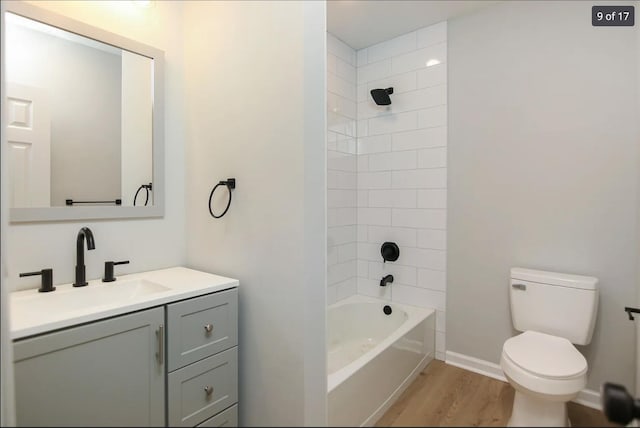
column 160, row 334
column 208, row 328
column 208, row 389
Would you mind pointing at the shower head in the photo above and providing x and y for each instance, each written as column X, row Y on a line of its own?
column 381, row 96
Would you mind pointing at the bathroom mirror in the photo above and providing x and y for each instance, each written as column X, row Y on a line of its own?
column 84, row 120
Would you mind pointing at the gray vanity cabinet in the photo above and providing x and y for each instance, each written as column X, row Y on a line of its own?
column 202, row 359
column 106, row 373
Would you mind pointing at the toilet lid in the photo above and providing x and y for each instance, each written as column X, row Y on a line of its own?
column 545, row 355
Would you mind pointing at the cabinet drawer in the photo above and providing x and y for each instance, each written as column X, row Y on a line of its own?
column 228, row 418
column 200, row 327
column 189, row 402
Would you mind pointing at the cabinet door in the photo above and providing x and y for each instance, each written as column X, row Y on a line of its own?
column 107, row 373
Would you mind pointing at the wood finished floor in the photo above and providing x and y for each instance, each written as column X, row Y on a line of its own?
column 445, row 395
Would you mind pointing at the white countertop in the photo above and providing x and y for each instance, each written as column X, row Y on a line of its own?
column 33, row 313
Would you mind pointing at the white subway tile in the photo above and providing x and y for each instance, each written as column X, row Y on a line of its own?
column 362, row 233
column 341, row 272
column 393, row 161
column 400, row 83
column 419, row 139
column 396, row 46
column 418, row 99
column 432, row 76
column 393, row 123
column 341, row 198
column 341, row 235
column 363, row 128
column 346, row 71
column 368, row 251
column 419, row 218
column 374, row 180
column 361, row 57
column 341, row 125
column 398, row 198
column 363, row 268
column 340, row 86
column 432, row 198
column 346, row 288
column 368, row 109
column 370, row 287
column 433, row 34
column 432, row 279
column 338, row 161
column 401, row 274
column 374, row 144
column 375, row 71
column 332, row 255
column 374, row 216
column 341, row 180
column 432, row 158
column 435, row 178
column 346, row 144
column 331, row 63
column 363, row 198
column 419, row 58
column 432, row 117
column 363, row 163
column 423, row 258
column 404, row 237
column 331, row 295
column 441, row 321
column 431, row 238
column 341, row 216
column 419, row 297
column 347, row 252
column 341, row 106
column 341, row 49
column 362, row 93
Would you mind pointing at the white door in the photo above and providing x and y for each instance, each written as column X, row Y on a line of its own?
column 29, row 146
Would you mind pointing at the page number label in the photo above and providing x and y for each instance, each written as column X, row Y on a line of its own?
column 612, row 16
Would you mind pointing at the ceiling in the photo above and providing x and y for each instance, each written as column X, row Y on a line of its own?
column 362, row 23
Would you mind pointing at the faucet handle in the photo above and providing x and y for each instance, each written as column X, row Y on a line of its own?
column 47, row 279
column 108, row 270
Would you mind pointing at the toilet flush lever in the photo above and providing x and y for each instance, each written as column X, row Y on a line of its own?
column 519, row 287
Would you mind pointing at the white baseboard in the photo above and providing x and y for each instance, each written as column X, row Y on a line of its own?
column 586, row 397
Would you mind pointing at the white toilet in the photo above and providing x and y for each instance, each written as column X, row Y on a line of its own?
column 553, row 310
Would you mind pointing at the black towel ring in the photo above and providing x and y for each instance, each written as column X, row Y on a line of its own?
column 147, row 188
column 231, row 184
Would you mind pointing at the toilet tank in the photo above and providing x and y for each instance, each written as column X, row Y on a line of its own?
column 554, row 303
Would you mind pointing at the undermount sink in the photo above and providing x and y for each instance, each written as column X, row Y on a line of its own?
column 96, row 294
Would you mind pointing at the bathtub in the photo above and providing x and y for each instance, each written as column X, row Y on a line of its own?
column 373, row 357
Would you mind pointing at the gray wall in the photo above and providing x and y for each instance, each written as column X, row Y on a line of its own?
column 543, row 165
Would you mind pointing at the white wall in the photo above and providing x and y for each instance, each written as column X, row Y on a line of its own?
column 82, row 87
column 147, row 243
column 543, row 167
column 256, row 111
column 341, row 174
column 402, row 170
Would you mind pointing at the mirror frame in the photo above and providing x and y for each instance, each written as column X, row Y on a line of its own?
column 47, row 214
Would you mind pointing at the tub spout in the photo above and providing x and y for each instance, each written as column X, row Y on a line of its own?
column 386, row 280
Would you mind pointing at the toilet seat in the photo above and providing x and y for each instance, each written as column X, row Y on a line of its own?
column 544, row 364
column 545, row 356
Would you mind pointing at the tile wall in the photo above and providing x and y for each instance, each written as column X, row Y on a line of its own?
column 341, row 174
column 389, row 183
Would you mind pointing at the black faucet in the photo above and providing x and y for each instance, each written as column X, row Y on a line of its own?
column 385, row 280
column 85, row 232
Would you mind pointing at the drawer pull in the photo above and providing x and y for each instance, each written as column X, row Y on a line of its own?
column 208, row 389
column 208, row 328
